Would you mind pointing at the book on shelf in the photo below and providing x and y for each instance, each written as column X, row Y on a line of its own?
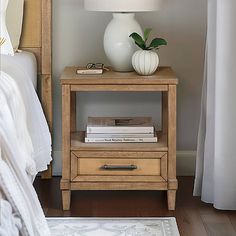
column 84, row 71
column 120, row 125
column 122, row 140
column 124, row 135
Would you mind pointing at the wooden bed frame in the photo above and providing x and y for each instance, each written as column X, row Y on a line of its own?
column 36, row 38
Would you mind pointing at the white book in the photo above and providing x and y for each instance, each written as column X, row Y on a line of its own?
column 120, row 125
column 121, row 140
column 89, row 71
column 128, row 135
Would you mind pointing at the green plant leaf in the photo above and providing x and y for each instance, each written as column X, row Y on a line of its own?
column 147, row 33
column 157, row 42
column 141, row 46
column 138, row 40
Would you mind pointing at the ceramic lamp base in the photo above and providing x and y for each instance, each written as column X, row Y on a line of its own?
column 119, row 48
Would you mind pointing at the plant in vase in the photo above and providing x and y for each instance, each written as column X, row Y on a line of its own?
column 145, row 61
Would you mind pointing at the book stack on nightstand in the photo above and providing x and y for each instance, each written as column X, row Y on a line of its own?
column 120, row 130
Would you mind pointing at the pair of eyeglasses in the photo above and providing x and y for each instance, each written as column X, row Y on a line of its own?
column 96, row 66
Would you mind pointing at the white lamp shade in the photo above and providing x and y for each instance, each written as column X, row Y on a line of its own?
column 122, row 5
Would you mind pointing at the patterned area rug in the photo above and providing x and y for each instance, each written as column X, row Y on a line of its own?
column 113, row 226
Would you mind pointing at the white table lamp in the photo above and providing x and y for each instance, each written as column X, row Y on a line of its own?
column 118, row 47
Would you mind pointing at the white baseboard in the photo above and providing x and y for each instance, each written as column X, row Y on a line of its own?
column 185, row 163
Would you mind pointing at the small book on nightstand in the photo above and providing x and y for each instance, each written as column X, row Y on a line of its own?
column 84, row 71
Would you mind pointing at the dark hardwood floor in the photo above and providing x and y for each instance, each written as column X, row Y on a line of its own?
column 194, row 217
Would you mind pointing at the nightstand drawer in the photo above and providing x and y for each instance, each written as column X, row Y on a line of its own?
column 119, row 166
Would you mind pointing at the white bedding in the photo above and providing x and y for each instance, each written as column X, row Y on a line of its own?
column 17, row 157
column 22, row 68
column 24, row 61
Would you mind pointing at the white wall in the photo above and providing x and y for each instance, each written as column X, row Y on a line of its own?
column 78, row 39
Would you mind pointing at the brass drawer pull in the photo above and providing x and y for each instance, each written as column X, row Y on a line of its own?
column 119, row 167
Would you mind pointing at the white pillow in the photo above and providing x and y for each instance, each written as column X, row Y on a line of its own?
column 6, row 46
column 14, row 19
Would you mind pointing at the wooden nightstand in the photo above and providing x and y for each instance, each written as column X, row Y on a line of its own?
column 156, row 162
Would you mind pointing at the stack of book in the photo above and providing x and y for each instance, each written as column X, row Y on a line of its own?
column 120, row 130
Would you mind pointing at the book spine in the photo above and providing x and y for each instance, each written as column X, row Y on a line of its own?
column 121, row 140
column 120, row 130
column 113, row 135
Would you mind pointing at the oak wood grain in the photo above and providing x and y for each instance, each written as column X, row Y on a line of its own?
column 77, row 143
column 36, row 38
column 89, row 175
column 118, row 154
column 163, row 76
column 171, row 193
column 118, row 186
column 92, row 166
column 66, row 128
column 124, row 178
column 32, row 24
column 119, row 88
column 66, row 196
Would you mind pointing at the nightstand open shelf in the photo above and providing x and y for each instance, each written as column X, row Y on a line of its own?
column 119, row 166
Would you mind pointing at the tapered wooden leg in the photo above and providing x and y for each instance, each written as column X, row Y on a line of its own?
column 66, row 195
column 66, row 160
column 171, row 196
column 172, row 181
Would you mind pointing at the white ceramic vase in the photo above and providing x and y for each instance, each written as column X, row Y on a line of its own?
column 145, row 62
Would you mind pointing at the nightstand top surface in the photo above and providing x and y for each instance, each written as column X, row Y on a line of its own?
column 163, row 76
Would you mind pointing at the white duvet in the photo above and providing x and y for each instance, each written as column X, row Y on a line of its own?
column 22, row 72
column 24, row 139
